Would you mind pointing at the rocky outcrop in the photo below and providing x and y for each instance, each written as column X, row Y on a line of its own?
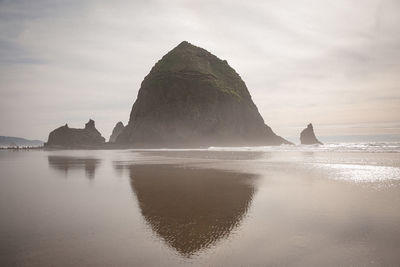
column 72, row 138
column 307, row 136
column 191, row 98
column 116, row 131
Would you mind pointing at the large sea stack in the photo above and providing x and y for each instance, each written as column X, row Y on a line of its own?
column 191, row 98
column 307, row 136
column 75, row 138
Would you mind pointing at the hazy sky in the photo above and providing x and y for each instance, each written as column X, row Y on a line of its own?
column 334, row 63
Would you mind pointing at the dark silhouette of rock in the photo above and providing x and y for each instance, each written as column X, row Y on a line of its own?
column 191, row 98
column 116, row 131
column 191, row 209
column 66, row 163
column 307, row 136
column 71, row 137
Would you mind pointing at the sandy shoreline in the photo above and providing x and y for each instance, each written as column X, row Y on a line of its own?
column 199, row 208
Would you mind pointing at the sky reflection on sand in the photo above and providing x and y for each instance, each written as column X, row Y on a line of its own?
column 163, row 208
column 361, row 173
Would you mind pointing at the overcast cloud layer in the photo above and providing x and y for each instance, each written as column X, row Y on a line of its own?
column 333, row 63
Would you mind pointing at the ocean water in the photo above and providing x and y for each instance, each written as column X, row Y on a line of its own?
column 330, row 147
column 330, row 205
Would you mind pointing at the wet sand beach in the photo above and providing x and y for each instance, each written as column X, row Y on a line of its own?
column 199, row 208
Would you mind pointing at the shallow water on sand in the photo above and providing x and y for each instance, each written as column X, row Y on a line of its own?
column 213, row 208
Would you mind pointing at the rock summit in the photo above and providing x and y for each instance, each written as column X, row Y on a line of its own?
column 116, row 131
column 307, row 136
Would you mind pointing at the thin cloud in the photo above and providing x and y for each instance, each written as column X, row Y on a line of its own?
column 328, row 62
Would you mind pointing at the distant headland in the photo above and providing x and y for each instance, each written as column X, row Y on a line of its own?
column 11, row 142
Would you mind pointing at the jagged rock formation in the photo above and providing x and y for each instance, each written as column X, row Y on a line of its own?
column 307, row 136
column 116, row 131
column 71, row 137
column 191, row 98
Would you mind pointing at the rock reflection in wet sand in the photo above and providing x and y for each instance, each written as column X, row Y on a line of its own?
column 191, row 209
column 65, row 163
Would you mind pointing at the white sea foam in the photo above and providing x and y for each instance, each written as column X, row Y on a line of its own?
column 388, row 147
column 330, row 147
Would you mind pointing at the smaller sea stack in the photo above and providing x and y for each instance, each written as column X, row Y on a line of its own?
column 116, row 131
column 73, row 138
column 307, row 136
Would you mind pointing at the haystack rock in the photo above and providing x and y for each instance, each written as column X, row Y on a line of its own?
column 71, row 137
column 307, row 136
column 116, row 131
column 191, row 98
